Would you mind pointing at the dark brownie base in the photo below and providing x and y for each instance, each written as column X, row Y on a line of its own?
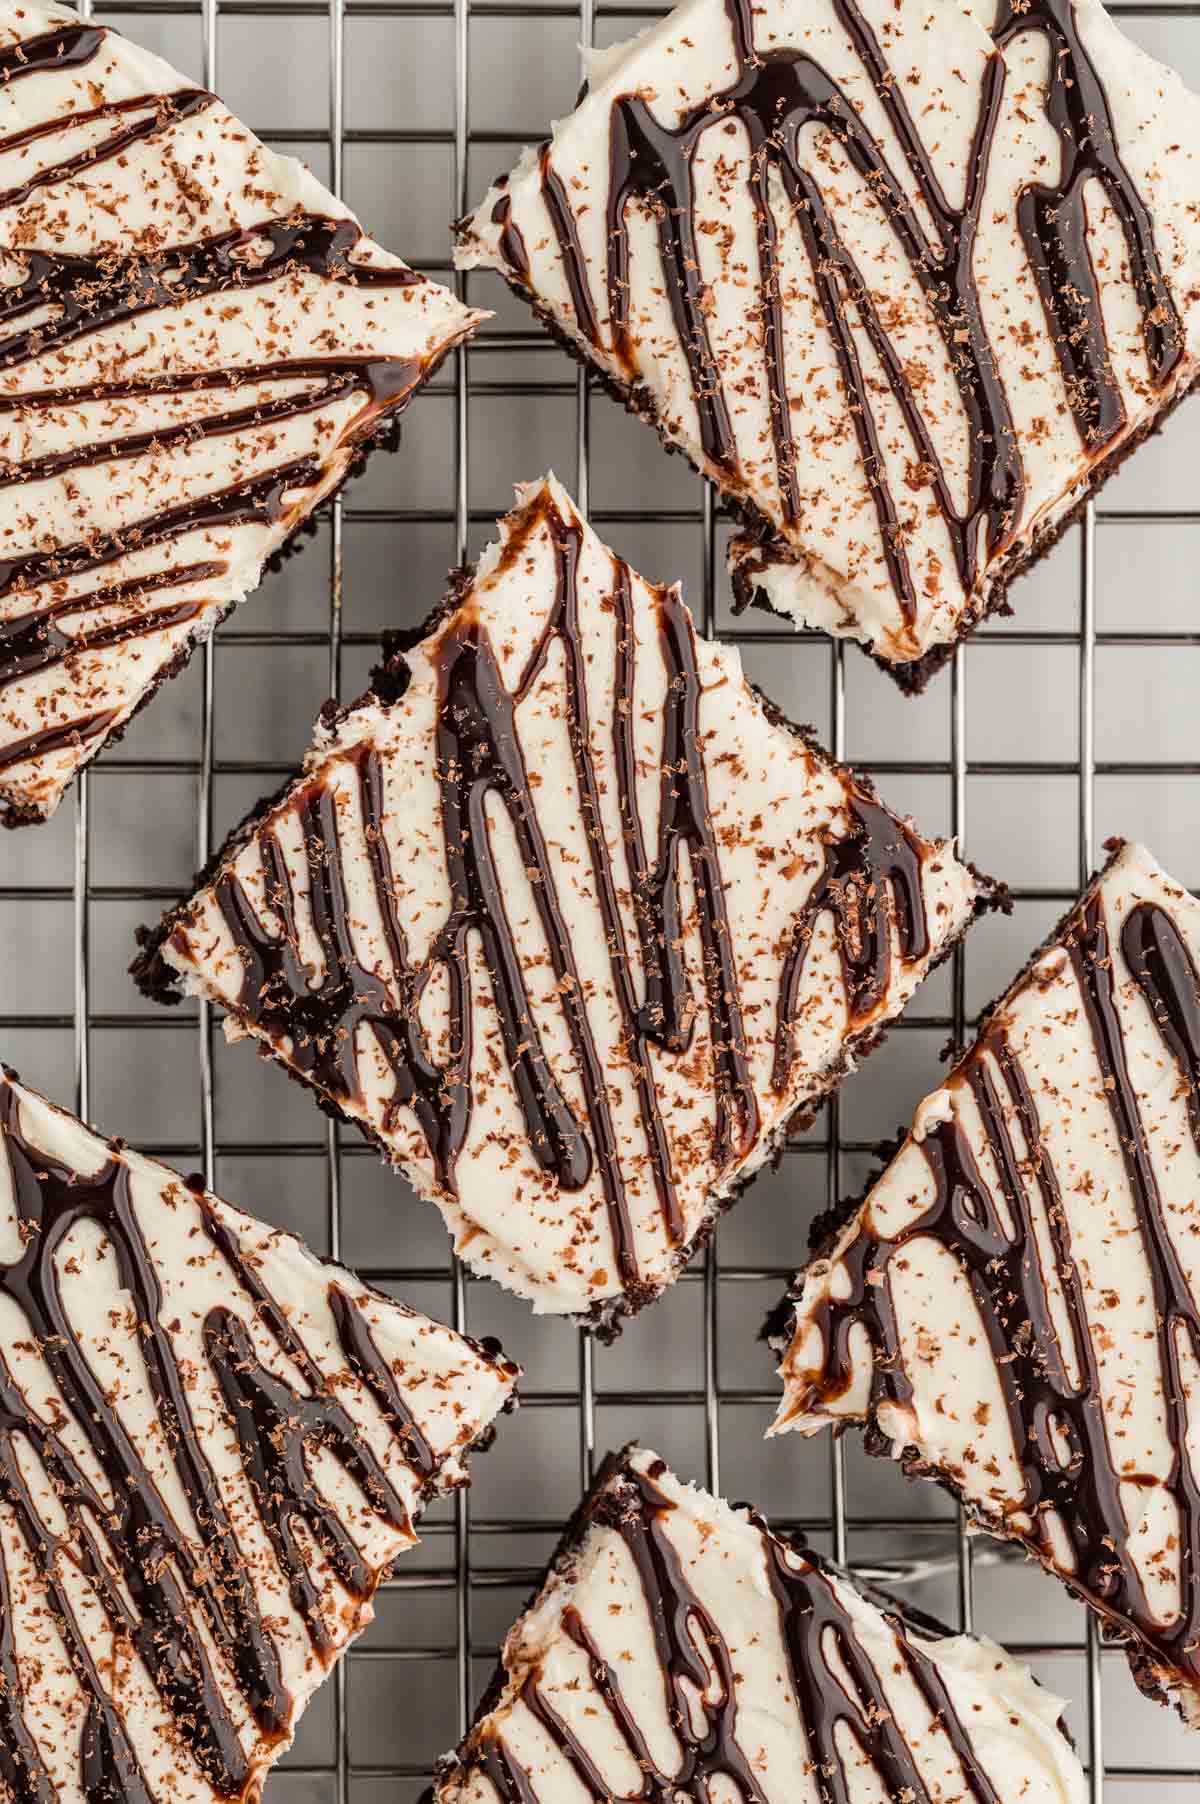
column 157, row 979
column 779, row 1327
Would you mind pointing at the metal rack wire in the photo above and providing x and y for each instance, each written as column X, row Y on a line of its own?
column 471, row 1552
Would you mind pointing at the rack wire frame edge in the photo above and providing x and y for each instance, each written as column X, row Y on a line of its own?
column 340, row 1778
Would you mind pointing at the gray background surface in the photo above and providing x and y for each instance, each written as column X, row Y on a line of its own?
column 1074, row 720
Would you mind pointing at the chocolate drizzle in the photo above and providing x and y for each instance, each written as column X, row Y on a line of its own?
column 181, row 1597
column 512, row 243
column 1162, row 968
column 259, row 498
column 701, row 1682
column 684, row 820
column 778, row 96
column 479, row 757
column 1053, row 222
column 1052, row 1387
column 870, row 878
column 63, row 297
column 558, row 205
column 563, row 627
column 69, row 47
column 32, row 641
column 83, row 729
column 325, row 1020
column 176, row 106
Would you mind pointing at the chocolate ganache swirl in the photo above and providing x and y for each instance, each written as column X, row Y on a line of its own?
column 821, row 1689
column 1006, row 1178
column 220, row 361
column 661, row 981
column 783, row 102
column 91, row 1507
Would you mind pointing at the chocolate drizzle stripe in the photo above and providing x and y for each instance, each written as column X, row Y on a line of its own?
column 558, row 206
column 1161, row 965
column 108, row 109
column 89, row 294
column 34, row 641
column 335, row 371
column 685, row 820
column 871, row 885
column 1053, row 1391
column 68, row 47
column 166, row 437
column 638, row 863
column 1053, row 222
column 563, row 625
column 779, row 94
column 80, row 731
column 1176, row 1313
column 702, row 1684
column 512, row 241
column 373, row 1370
column 30, row 643
column 156, row 1581
column 65, row 298
column 317, row 1020
column 175, row 106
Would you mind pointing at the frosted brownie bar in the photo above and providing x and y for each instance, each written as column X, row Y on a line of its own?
column 679, row 1649
column 1015, row 1307
column 212, row 1447
column 906, row 279
column 567, row 920
column 197, row 342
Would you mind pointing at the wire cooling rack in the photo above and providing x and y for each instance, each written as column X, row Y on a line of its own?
column 1073, row 721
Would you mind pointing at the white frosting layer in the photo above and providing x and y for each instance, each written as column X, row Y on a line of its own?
column 1011, row 1723
column 773, row 801
column 956, row 1418
column 189, row 177
column 827, row 567
column 451, row 1388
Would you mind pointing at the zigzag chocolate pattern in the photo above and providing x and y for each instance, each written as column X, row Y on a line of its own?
column 770, row 109
column 186, row 1603
column 828, row 1711
column 871, row 888
column 61, row 298
column 1075, row 1458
